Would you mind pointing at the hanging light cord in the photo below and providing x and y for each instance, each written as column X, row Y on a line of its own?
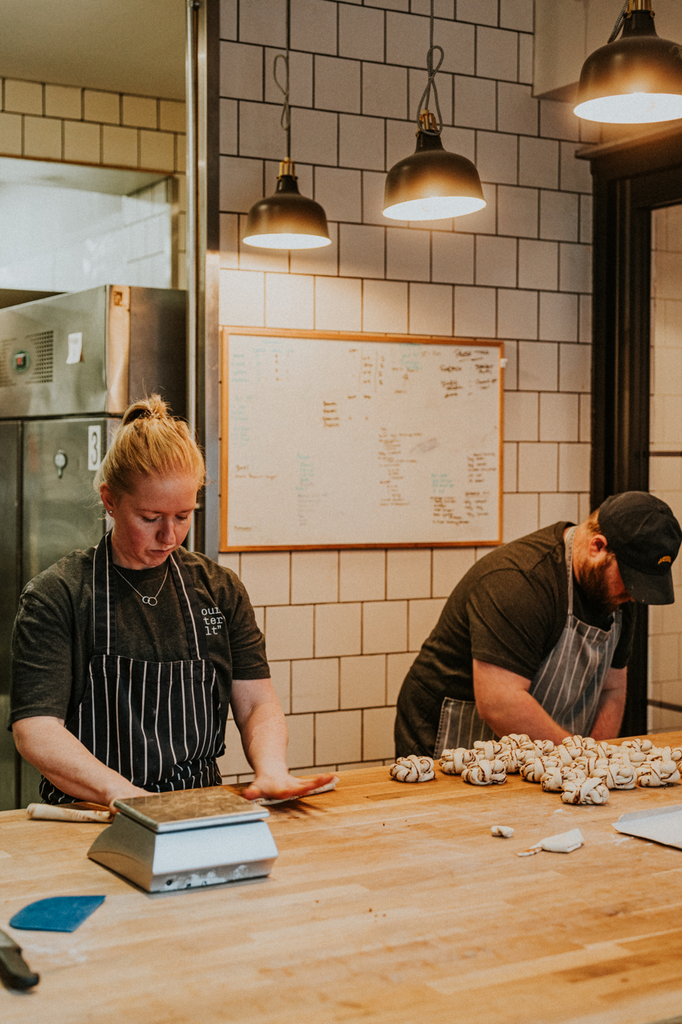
column 432, row 70
column 285, row 120
column 619, row 22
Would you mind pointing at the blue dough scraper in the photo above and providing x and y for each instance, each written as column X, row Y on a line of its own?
column 57, row 913
column 14, row 970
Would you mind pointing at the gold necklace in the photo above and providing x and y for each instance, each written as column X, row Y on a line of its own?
column 151, row 601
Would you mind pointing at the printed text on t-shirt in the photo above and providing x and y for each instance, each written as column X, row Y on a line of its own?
column 213, row 620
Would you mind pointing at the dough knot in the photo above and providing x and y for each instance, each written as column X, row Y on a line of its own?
column 585, row 791
column 452, row 762
column 485, row 773
column 657, row 773
column 616, row 775
column 413, row 769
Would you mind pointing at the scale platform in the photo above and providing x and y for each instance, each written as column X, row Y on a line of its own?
column 186, row 839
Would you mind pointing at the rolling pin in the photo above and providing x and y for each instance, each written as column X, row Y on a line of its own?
column 71, row 812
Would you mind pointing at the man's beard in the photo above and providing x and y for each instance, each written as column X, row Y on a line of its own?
column 595, row 586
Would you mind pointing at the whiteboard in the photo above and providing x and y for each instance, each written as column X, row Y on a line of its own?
column 353, row 441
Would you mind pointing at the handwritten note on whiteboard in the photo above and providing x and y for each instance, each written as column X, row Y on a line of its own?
column 342, row 442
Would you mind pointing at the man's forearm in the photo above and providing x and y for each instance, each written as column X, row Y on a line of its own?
column 611, row 706
column 504, row 703
column 521, row 713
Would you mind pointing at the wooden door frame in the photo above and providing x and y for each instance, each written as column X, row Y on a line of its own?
column 631, row 178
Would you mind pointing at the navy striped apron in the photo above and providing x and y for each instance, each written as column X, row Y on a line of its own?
column 567, row 685
column 156, row 723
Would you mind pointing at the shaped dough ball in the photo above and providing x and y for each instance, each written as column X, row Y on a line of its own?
column 510, row 759
column 552, row 781
column 533, row 770
column 574, row 745
column 452, row 762
column 413, row 769
column 564, row 755
column 657, row 773
column 487, row 750
column 485, row 773
column 617, row 775
column 517, row 741
column 585, row 791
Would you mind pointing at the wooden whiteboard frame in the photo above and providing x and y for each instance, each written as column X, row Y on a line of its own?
column 412, row 339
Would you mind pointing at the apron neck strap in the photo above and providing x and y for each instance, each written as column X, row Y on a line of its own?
column 104, row 603
column 568, row 542
column 189, row 602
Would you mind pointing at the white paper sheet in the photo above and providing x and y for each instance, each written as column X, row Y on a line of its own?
column 75, row 350
column 662, row 826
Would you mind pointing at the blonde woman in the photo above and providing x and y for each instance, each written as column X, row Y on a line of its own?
column 127, row 656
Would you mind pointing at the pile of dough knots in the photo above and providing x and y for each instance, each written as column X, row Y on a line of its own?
column 582, row 769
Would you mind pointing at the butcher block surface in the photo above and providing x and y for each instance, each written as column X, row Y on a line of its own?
column 389, row 903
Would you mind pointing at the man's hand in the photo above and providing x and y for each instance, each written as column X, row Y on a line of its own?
column 284, row 786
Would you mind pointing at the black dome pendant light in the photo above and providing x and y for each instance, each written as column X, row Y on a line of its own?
column 636, row 79
column 286, row 219
column 432, row 184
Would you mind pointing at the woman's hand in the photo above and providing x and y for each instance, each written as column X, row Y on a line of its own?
column 125, row 792
column 263, row 729
column 285, row 786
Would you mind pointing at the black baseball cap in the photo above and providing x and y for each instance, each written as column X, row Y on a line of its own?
column 645, row 537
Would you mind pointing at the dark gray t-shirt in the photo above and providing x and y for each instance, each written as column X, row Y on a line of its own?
column 53, row 636
column 509, row 610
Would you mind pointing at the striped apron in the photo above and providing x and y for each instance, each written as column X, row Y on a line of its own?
column 567, row 685
column 156, row 723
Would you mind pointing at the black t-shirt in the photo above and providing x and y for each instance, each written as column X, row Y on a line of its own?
column 509, row 609
column 53, row 634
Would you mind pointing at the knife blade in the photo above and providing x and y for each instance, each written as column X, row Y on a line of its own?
column 14, row 970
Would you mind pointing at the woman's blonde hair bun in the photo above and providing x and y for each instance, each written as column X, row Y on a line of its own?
column 150, row 441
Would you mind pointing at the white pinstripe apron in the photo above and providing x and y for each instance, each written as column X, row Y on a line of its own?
column 567, row 685
column 156, row 723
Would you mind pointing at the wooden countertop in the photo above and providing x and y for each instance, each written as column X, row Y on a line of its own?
column 388, row 904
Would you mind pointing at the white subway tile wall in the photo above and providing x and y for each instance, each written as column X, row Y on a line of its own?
column 69, row 240
column 347, row 624
column 86, row 126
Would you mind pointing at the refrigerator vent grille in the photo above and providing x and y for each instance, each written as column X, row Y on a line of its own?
column 41, row 352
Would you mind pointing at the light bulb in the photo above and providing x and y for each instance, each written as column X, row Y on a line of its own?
column 434, row 208
column 632, row 108
column 283, row 240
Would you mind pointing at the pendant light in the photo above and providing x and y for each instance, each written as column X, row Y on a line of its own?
column 432, row 184
column 636, row 80
column 286, row 219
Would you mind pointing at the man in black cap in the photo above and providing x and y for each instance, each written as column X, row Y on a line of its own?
column 536, row 636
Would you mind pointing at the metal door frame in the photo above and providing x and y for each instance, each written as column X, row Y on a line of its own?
column 203, row 257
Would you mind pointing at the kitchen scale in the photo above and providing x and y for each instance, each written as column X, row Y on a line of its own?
column 185, row 839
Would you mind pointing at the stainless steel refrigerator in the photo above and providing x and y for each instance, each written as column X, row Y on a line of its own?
column 69, row 366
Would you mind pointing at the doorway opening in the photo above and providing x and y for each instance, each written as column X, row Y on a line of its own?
column 71, row 227
column 665, row 457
